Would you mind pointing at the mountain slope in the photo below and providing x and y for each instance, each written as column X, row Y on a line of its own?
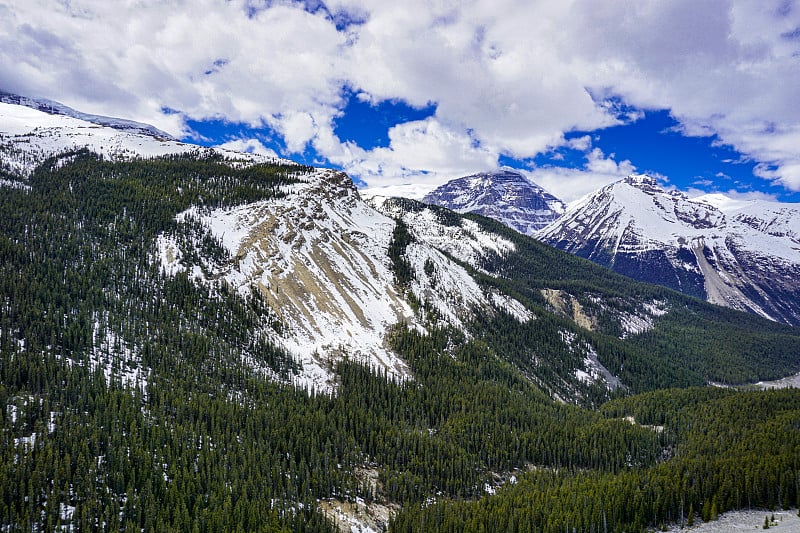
column 338, row 276
column 319, row 255
column 212, row 342
column 504, row 195
column 313, row 249
column 28, row 136
column 602, row 330
column 744, row 255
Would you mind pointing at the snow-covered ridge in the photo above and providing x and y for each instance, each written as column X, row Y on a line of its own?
column 438, row 281
column 743, row 254
column 319, row 255
column 464, row 240
column 56, row 108
column 28, row 136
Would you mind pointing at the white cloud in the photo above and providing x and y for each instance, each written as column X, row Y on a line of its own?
column 570, row 184
column 731, row 197
column 205, row 58
column 423, row 152
column 580, row 143
column 507, row 76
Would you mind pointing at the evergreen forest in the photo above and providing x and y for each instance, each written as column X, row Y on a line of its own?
column 132, row 399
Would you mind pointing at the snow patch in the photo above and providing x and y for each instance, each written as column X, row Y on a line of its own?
column 119, row 361
column 792, row 381
column 738, row 521
column 633, row 324
column 512, row 307
column 14, row 184
column 593, row 370
column 26, row 443
column 169, row 254
column 657, row 308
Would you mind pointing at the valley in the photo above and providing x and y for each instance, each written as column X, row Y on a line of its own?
column 200, row 339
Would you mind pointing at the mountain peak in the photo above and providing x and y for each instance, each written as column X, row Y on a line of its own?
column 504, row 195
column 497, row 176
column 741, row 254
column 644, row 182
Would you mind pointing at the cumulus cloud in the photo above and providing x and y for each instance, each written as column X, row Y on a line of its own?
column 507, row 77
column 730, row 198
column 570, row 184
column 421, row 152
column 205, row 59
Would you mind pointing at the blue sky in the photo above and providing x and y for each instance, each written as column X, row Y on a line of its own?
column 653, row 143
column 405, row 96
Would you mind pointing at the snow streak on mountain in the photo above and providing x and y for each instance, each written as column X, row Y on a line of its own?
column 505, row 196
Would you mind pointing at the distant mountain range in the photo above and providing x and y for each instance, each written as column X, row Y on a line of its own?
column 320, row 255
column 57, row 108
column 743, row 254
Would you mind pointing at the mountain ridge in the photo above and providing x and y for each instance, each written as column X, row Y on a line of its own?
column 322, row 260
column 56, row 108
column 745, row 256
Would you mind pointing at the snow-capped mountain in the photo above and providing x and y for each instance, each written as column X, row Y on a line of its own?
column 29, row 135
column 741, row 254
column 56, row 108
column 318, row 253
column 245, row 340
column 325, row 263
column 505, row 196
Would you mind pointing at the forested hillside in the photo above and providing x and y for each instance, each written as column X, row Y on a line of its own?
column 135, row 399
column 722, row 450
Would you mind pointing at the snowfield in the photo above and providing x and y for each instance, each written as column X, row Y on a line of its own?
column 29, row 136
